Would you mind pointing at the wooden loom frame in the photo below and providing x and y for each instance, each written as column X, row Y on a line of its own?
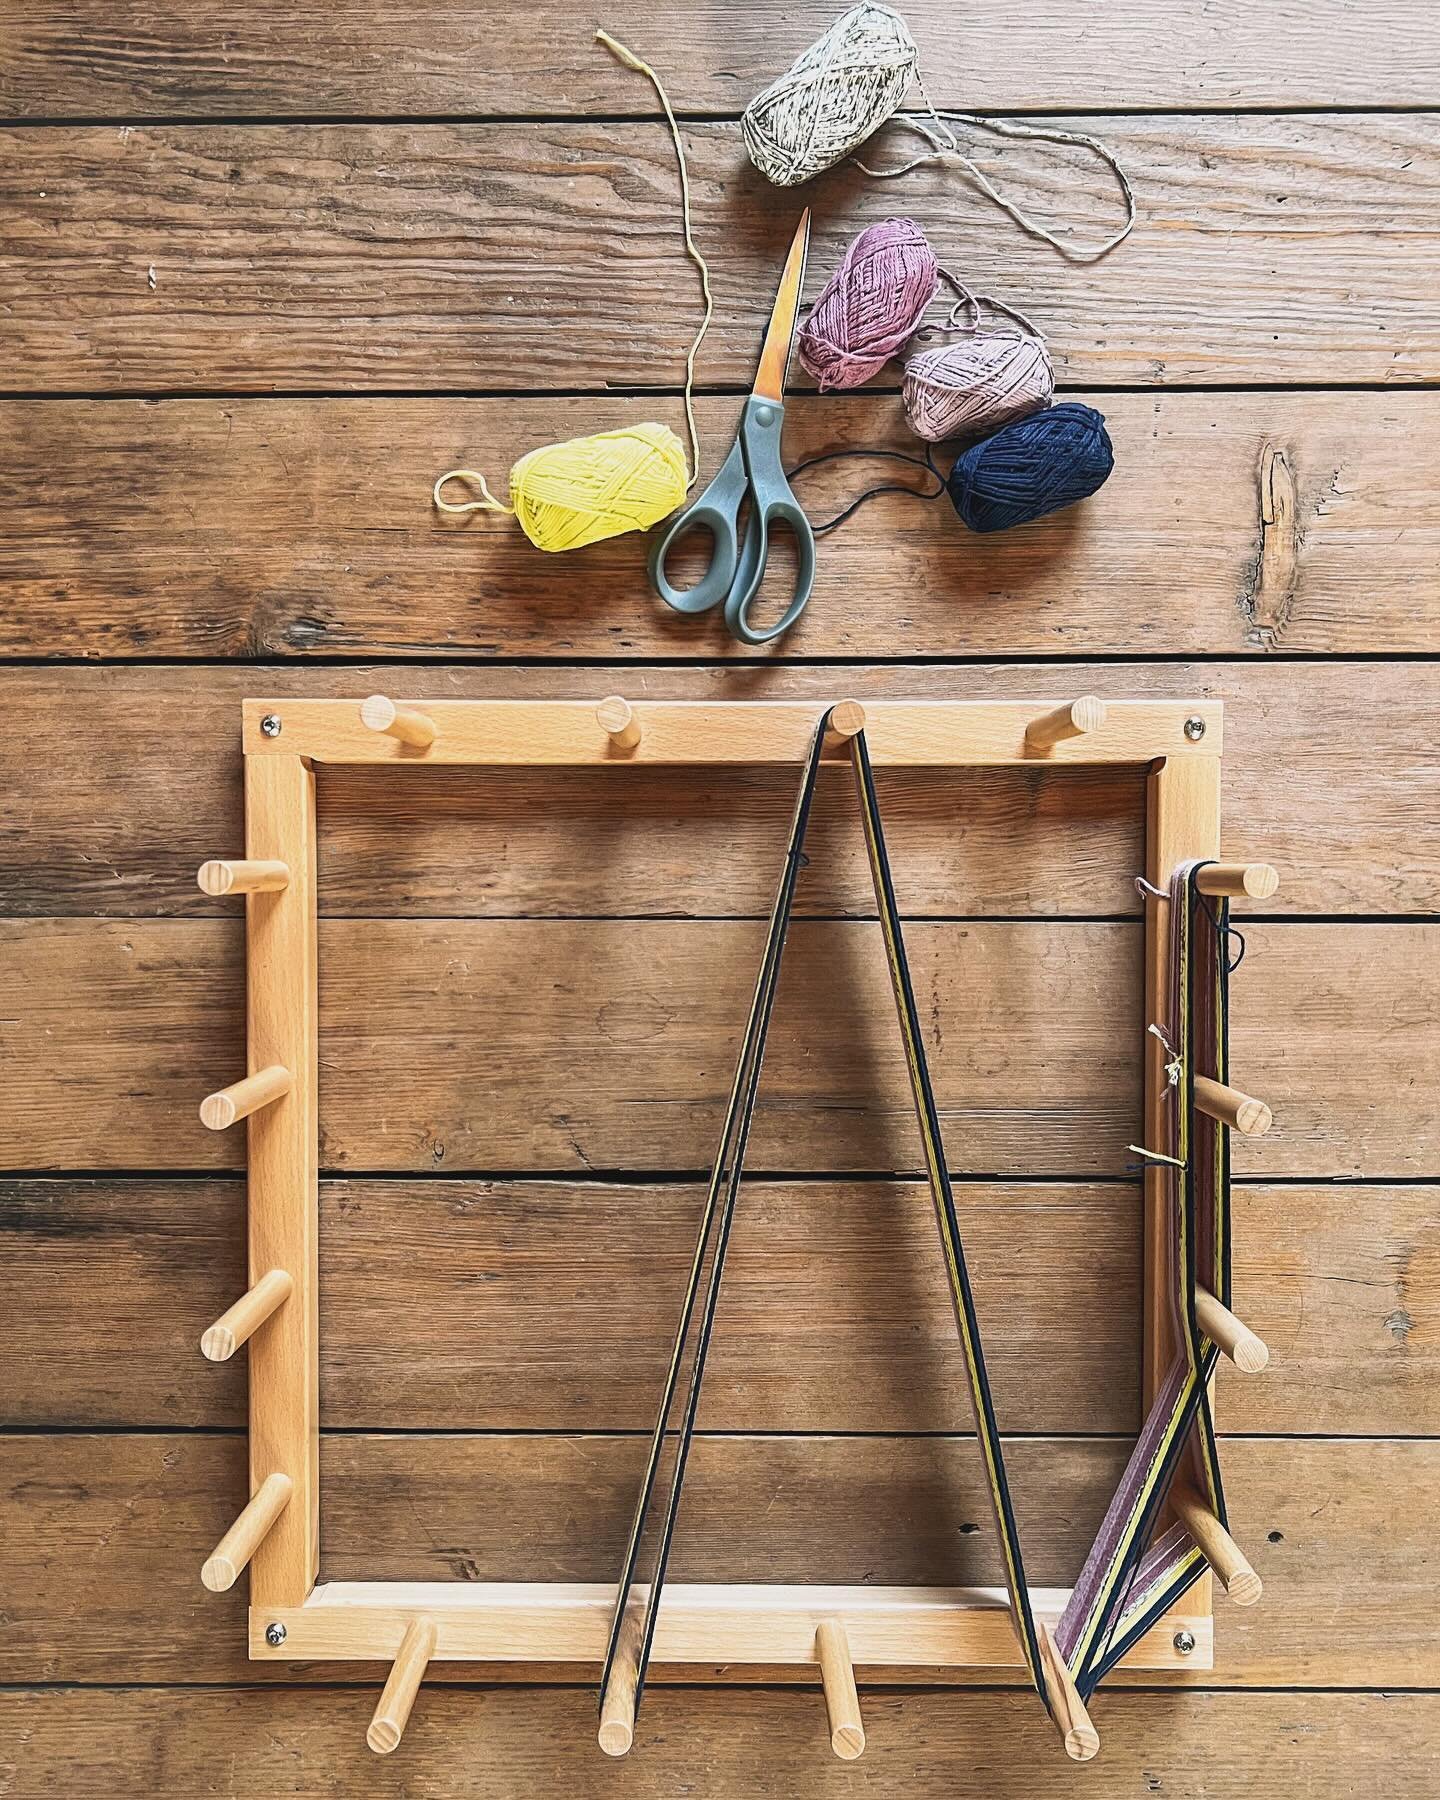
column 926, row 1632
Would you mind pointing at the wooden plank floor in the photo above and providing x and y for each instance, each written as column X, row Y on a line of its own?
column 265, row 270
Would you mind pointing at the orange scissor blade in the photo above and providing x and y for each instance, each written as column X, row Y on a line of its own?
column 775, row 355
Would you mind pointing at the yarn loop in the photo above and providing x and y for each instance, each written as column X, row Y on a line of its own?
column 1031, row 468
column 576, row 493
column 871, row 306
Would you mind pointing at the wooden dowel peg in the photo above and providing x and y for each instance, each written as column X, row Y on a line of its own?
column 617, row 1707
column 381, row 713
column 1242, row 1112
column 241, row 1321
column 1072, row 721
column 223, row 1565
column 1238, row 881
column 617, row 717
column 1238, row 1341
column 1221, row 1551
column 242, row 877
column 387, row 1727
column 1079, row 1736
column 219, row 1111
column 842, row 1703
column 847, row 719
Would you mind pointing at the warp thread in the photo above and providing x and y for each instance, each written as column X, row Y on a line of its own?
column 1031, row 468
column 871, row 306
column 989, row 378
column 576, row 493
column 851, row 81
column 572, row 494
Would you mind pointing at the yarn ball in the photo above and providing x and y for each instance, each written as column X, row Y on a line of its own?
column 1033, row 467
column 572, row 494
column 975, row 386
column 832, row 97
column 871, row 306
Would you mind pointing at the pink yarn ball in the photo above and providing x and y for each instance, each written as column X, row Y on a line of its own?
column 971, row 388
column 871, row 306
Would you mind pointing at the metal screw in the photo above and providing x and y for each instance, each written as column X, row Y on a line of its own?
column 275, row 1635
column 1194, row 729
column 1185, row 1640
column 270, row 725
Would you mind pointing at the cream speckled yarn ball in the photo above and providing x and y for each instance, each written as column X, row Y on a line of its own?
column 832, row 97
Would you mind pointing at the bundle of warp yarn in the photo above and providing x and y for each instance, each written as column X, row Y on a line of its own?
column 853, row 80
column 871, row 306
column 988, row 379
column 576, row 493
column 1032, row 468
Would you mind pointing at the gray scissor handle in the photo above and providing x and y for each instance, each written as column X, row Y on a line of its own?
column 752, row 470
column 770, row 498
column 718, row 508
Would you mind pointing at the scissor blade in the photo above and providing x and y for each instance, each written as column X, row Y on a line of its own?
column 775, row 355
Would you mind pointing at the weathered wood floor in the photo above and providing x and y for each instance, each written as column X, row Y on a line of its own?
column 264, row 271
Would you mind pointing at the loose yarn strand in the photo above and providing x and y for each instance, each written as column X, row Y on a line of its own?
column 888, row 487
column 949, row 145
column 486, row 503
column 692, row 250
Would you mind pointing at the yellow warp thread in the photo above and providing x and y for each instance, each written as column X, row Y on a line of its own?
column 569, row 495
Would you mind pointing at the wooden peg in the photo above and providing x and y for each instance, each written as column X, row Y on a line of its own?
column 1079, row 1736
column 847, row 718
column 842, row 1703
column 1051, row 728
column 224, row 1563
column 411, row 727
column 617, row 717
column 241, row 1321
column 1242, row 1112
column 387, row 1727
column 219, row 1111
column 1238, row 881
column 1221, row 1551
column 1238, row 1341
column 617, row 1707
column 242, row 877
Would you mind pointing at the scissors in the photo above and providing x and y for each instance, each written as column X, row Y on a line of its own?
column 752, row 471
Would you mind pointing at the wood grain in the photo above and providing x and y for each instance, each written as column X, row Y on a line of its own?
column 348, row 257
column 144, row 1510
column 209, row 56
column 454, row 1045
column 1310, row 749
column 462, row 1305
column 492, row 1744
column 303, row 527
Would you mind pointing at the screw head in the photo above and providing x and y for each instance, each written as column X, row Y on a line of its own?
column 1194, row 729
column 1185, row 1642
column 275, row 1635
column 270, row 725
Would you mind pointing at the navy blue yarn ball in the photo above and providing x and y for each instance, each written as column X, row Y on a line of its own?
column 1033, row 467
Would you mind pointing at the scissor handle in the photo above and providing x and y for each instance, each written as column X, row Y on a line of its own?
column 718, row 508
column 770, row 498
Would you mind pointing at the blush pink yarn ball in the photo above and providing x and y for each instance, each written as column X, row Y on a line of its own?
column 973, row 387
column 871, row 306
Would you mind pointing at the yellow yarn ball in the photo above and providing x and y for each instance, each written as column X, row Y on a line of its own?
column 572, row 494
